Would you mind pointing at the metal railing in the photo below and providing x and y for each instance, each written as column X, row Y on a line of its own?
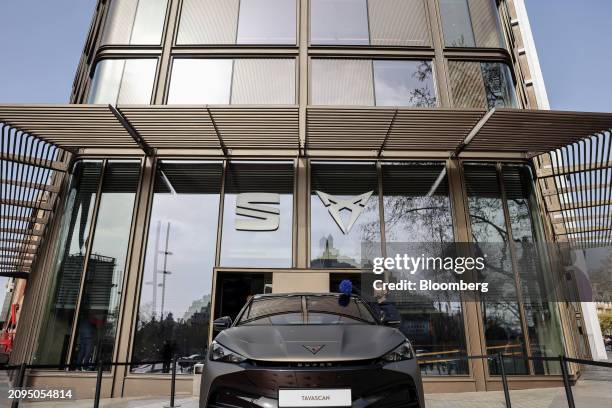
column 100, row 366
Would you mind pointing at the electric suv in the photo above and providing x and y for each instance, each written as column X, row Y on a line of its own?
column 309, row 350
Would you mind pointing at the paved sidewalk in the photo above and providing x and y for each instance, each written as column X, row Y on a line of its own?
column 588, row 394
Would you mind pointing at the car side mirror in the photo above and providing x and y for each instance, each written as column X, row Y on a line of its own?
column 222, row 323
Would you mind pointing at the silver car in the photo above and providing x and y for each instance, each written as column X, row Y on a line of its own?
column 309, row 350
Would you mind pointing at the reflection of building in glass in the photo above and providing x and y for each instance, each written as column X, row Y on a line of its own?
column 198, row 310
column 100, row 278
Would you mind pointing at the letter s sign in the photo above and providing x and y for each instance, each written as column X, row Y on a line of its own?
column 260, row 217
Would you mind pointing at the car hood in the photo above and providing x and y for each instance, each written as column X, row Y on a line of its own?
column 311, row 342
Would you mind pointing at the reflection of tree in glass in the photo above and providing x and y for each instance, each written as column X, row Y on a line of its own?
column 423, row 97
column 418, row 219
column 461, row 42
column 496, row 85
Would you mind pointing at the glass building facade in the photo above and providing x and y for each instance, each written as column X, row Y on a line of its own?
column 151, row 249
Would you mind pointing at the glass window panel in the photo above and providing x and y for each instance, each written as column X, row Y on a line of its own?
column 543, row 324
column 456, row 23
column 481, row 85
column 200, row 81
column 123, row 81
column 499, row 86
column 135, row 22
column 325, row 16
column 341, row 82
column 336, row 242
column 208, row 22
column 119, row 22
column 399, row 22
column 53, row 342
column 137, row 82
column 175, row 297
column 267, row 22
column 404, row 83
column 149, row 22
column 246, row 246
column 106, row 82
column 466, row 83
column 486, row 23
column 502, row 319
column 101, row 297
column 417, row 209
column 264, row 81
column 416, row 203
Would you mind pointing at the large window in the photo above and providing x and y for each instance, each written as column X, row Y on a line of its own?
column 226, row 81
column 118, row 81
column 258, row 215
column 471, row 23
column 502, row 317
column 372, row 82
column 139, row 22
column 417, row 214
column 344, row 213
column 238, row 22
column 482, row 85
column 541, row 315
column 54, row 340
column 175, row 296
column 373, row 22
column 103, row 282
column 96, row 292
column 505, row 225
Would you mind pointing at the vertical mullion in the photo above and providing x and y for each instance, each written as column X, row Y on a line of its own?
column 471, row 309
column 381, row 210
column 220, row 215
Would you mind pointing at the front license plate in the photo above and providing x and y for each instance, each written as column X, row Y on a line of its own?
column 315, row 397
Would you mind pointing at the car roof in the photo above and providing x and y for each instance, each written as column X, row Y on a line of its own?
column 279, row 295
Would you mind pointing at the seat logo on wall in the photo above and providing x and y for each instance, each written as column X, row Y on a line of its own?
column 262, row 217
column 335, row 206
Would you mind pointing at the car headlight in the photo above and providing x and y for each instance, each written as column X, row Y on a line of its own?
column 400, row 353
column 224, row 355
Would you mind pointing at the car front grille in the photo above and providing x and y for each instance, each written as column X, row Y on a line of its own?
column 313, row 364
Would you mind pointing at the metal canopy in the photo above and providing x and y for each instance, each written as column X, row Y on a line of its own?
column 375, row 130
column 223, row 128
column 576, row 185
column 36, row 140
column 500, row 130
column 31, row 172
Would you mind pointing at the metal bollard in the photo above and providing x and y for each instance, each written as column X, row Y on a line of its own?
column 98, row 384
column 566, row 382
column 173, row 386
column 502, row 371
column 19, row 383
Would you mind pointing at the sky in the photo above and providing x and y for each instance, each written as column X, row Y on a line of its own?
column 574, row 42
column 41, row 42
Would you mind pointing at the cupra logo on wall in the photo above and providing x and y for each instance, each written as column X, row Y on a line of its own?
column 262, row 217
column 335, row 206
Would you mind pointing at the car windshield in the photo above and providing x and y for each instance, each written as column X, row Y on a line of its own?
column 306, row 310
